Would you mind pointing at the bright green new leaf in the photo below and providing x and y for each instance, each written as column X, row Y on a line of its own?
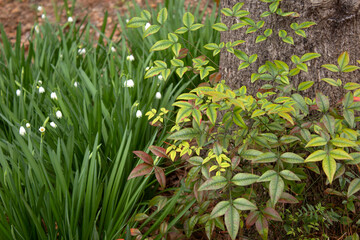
column 306, row 24
column 188, row 19
column 172, row 37
column 181, row 30
column 331, row 67
column 288, row 40
column 153, row 72
column 244, row 179
column 237, row 26
column 343, row 60
column 302, row 67
column 305, row 85
column 177, row 62
column 351, row 86
column 220, row 27
column 161, row 45
column 220, row 209
column 183, row 113
column 316, row 142
column 340, row 154
column 151, row 30
column 329, row 167
column 354, row 187
column 243, row 204
column 162, row 16
column 309, row 56
column 196, row 26
column 343, row 142
column 260, row 38
column 330, row 81
column 214, row 183
column 212, row 113
column 181, row 71
column 136, row 22
column 316, row 156
column 227, row 12
column 176, row 49
column 350, row 68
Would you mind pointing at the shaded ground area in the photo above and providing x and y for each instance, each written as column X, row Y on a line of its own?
column 13, row 12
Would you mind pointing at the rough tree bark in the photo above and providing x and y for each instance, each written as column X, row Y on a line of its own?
column 337, row 30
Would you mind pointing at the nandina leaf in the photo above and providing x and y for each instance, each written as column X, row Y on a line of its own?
column 214, row 183
column 160, row 176
column 232, row 221
column 220, row 209
column 354, row 187
column 287, row 198
column 329, row 167
column 243, row 204
column 272, row 214
column 158, row 151
column 140, row 170
column 144, row 156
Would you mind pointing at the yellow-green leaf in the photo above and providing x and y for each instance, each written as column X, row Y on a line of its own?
column 340, row 154
column 343, row 142
column 162, row 16
column 161, row 45
column 315, row 142
column 329, row 167
column 316, row 156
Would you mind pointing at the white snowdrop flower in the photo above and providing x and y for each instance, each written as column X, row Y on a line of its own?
column 28, row 125
column 158, row 95
column 53, row 95
column 37, row 29
column 18, row 92
column 113, row 49
column 147, row 25
column 52, row 124
column 82, row 51
column 138, row 114
column 130, row 58
column 42, row 129
column 127, row 20
column 22, row 131
column 40, row 82
column 129, row 83
column 58, row 114
column 147, row 68
column 39, row 8
column 43, row 16
column 76, row 84
column 41, row 90
column 70, row 19
column 160, row 77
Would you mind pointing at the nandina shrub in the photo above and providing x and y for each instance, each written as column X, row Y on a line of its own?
column 248, row 157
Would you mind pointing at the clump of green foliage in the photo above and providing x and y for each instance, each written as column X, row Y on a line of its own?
column 247, row 156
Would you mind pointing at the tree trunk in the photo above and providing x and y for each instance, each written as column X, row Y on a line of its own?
column 337, row 30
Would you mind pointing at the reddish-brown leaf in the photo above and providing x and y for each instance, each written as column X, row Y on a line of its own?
column 252, row 218
column 160, row 176
column 183, row 53
column 272, row 214
column 287, row 198
column 215, row 78
column 158, row 151
column 135, row 232
column 262, row 226
column 144, row 156
column 140, row 170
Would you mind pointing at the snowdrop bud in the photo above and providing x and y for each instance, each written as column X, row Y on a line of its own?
column 82, row 51
column 53, row 95
column 58, row 114
column 129, row 83
column 160, row 77
column 40, row 82
column 22, row 131
column 138, row 114
column 130, row 58
column 52, row 124
column 39, row 8
column 127, row 20
column 41, row 90
column 42, row 129
column 37, row 29
column 158, row 95
column 147, row 25
column 76, row 84
column 113, row 49
column 28, row 125
column 43, row 16
column 147, row 68
column 70, row 19
column 18, row 92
